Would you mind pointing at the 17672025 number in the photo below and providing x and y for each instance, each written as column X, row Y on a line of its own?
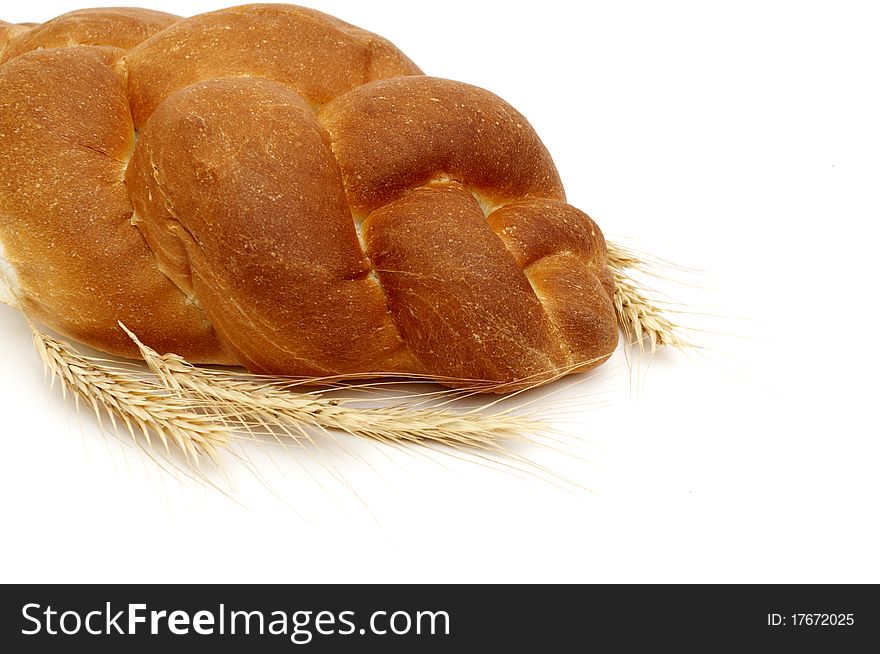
column 811, row 620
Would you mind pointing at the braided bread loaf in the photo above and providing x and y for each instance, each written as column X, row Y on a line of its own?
column 271, row 187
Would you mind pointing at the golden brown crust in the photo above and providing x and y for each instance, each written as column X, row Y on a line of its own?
column 8, row 32
column 120, row 27
column 348, row 215
column 317, row 55
column 462, row 305
column 65, row 213
column 562, row 252
column 238, row 177
column 393, row 135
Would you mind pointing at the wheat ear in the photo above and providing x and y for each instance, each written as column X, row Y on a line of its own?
column 254, row 403
column 639, row 317
column 200, row 411
column 143, row 406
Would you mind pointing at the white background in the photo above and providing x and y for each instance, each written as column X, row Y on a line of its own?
column 739, row 138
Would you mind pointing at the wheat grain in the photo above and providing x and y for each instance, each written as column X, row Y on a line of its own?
column 144, row 407
column 639, row 317
column 253, row 402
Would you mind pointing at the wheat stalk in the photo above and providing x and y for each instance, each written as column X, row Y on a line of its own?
column 143, row 406
column 252, row 402
column 639, row 317
column 200, row 411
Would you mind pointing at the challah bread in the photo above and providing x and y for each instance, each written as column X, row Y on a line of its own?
column 271, row 187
